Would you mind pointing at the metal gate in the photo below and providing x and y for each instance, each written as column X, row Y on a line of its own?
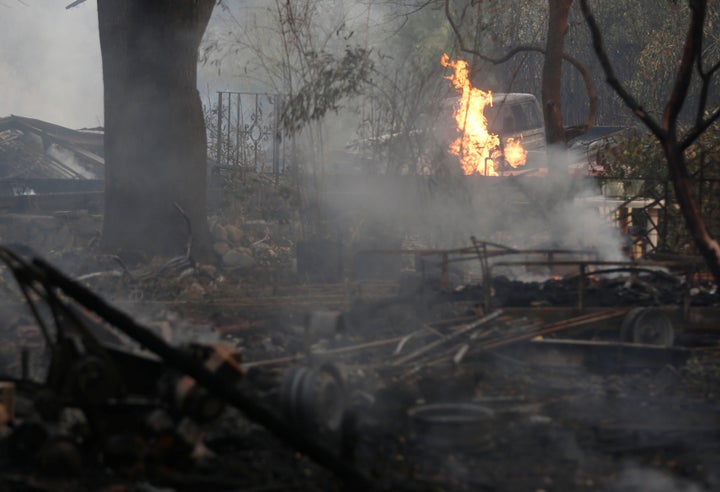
column 247, row 136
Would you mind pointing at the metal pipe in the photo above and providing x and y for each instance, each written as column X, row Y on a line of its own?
column 218, row 136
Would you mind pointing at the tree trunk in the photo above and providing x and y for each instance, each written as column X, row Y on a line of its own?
column 558, row 11
column 155, row 142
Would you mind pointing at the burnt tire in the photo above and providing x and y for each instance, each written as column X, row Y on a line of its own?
column 649, row 326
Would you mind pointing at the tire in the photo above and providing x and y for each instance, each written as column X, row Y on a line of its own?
column 648, row 326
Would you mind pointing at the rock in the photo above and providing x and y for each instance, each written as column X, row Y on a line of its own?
column 208, row 269
column 240, row 258
column 260, row 247
column 235, row 234
column 256, row 228
column 219, row 233
column 221, row 247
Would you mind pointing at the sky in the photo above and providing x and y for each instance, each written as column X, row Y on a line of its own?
column 50, row 65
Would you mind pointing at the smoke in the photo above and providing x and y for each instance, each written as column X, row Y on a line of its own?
column 573, row 208
column 554, row 211
column 50, row 66
column 387, row 133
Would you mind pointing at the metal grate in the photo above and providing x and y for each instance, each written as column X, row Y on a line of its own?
column 247, row 135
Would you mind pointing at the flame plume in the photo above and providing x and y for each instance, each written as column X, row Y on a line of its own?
column 477, row 148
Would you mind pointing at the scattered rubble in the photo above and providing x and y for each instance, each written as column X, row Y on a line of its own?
column 405, row 386
column 286, row 366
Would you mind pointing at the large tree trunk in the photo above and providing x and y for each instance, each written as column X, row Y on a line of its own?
column 558, row 11
column 155, row 142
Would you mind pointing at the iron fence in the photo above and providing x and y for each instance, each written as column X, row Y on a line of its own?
column 247, row 136
column 647, row 210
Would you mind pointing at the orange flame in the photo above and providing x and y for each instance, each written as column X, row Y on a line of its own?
column 477, row 148
column 515, row 155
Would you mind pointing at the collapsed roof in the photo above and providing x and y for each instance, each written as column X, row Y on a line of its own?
column 35, row 149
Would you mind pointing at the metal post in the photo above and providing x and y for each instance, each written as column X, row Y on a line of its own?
column 276, row 140
column 237, row 131
column 229, row 124
column 219, row 129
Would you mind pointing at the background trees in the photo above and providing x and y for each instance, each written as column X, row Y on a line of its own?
column 675, row 141
column 377, row 59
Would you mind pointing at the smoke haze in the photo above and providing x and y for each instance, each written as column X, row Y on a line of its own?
column 50, row 66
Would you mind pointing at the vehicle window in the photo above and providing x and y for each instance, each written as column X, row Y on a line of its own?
column 520, row 118
column 496, row 118
column 532, row 116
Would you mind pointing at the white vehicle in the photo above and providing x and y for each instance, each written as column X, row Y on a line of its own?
column 518, row 116
column 515, row 116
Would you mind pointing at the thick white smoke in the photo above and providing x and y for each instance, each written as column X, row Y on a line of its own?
column 50, row 66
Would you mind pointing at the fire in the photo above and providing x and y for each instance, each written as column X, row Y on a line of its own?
column 515, row 155
column 477, row 148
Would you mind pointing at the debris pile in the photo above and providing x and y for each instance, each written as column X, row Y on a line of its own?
column 430, row 387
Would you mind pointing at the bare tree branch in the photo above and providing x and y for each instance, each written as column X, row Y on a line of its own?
column 698, row 129
column 704, row 91
column 584, row 72
column 693, row 48
column 681, row 179
column 610, row 76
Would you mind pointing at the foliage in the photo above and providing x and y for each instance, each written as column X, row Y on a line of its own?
column 641, row 157
column 401, row 104
column 633, row 157
column 332, row 80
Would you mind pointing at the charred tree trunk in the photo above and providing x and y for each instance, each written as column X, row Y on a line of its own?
column 155, row 142
column 558, row 11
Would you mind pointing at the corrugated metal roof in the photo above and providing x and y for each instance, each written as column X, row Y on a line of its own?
column 35, row 149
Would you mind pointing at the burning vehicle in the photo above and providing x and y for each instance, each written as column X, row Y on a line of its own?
column 493, row 135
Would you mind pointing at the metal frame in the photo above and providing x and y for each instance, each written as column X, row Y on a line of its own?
column 248, row 124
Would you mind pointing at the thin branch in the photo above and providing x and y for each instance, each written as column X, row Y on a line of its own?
column 584, row 72
column 612, row 79
column 693, row 47
column 704, row 90
column 699, row 129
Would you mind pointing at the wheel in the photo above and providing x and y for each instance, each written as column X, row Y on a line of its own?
column 648, row 326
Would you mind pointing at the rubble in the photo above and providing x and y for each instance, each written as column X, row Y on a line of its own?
column 367, row 379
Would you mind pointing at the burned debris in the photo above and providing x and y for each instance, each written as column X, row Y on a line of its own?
column 424, row 384
column 357, row 355
column 46, row 166
column 439, row 287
